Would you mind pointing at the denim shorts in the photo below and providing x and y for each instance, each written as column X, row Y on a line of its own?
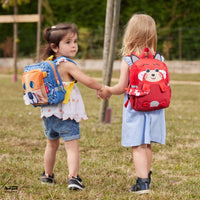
column 54, row 128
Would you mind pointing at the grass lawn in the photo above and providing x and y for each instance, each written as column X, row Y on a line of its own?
column 105, row 166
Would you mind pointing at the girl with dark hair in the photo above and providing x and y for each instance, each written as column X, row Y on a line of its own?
column 62, row 120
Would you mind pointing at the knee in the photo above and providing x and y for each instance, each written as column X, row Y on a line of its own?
column 53, row 144
column 142, row 146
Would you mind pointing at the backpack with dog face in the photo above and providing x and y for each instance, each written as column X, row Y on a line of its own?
column 149, row 87
column 42, row 84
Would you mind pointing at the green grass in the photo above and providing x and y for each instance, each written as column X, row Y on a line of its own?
column 105, row 166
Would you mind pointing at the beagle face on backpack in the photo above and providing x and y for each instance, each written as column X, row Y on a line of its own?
column 34, row 89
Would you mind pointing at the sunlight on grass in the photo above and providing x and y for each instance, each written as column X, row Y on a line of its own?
column 105, row 166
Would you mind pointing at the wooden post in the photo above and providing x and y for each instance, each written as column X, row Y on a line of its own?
column 108, row 116
column 15, row 43
column 106, row 48
column 39, row 29
column 15, row 19
column 116, row 13
column 180, row 43
column 112, row 18
column 107, row 37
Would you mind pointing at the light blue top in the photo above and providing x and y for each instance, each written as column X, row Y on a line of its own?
column 142, row 127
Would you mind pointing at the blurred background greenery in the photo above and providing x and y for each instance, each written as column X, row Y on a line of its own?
column 177, row 25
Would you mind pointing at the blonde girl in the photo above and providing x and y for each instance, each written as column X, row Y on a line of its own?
column 139, row 129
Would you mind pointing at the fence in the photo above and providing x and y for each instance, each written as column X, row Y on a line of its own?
column 174, row 44
column 180, row 43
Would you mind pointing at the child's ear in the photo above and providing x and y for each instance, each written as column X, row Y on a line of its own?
column 54, row 47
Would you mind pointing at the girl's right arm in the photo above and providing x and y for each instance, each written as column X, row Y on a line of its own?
column 119, row 88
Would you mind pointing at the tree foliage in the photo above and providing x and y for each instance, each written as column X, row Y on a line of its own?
column 169, row 15
column 10, row 3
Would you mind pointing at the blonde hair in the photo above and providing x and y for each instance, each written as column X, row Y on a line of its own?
column 140, row 32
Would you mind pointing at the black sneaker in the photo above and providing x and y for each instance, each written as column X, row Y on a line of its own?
column 49, row 180
column 149, row 176
column 75, row 183
column 141, row 187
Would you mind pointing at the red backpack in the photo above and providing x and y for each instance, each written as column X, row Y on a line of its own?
column 149, row 87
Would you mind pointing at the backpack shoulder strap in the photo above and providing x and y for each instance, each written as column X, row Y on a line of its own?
column 54, row 70
column 61, row 59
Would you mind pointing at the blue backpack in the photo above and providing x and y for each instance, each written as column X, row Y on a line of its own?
column 42, row 84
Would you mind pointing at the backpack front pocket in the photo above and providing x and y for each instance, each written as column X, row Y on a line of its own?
column 35, row 92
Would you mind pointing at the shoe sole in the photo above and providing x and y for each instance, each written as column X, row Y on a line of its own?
column 75, row 187
column 141, row 192
column 46, row 183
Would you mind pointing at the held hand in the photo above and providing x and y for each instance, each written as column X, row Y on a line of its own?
column 99, row 93
column 104, row 92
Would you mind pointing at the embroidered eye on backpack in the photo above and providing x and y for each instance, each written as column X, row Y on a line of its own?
column 42, row 84
column 149, row 87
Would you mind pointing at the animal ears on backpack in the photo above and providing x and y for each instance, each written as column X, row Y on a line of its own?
column 158, row 56
column 134, row 58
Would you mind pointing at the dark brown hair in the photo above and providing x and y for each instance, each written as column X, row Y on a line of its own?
column 55, row 34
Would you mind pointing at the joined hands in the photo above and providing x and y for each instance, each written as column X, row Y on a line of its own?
column 104, row 93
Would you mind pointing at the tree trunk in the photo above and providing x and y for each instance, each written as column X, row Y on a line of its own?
column 111, row 29
column 114, row 32
column 107, row 38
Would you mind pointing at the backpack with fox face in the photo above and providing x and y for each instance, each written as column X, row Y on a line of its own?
column 149, row 87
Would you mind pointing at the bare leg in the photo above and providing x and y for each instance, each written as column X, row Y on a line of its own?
column 149, row 156
column 140, row 160
column 50, row 156
column 72, row 150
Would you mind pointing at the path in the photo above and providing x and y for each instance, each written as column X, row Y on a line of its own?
column 116, row 80
column 171, row 81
